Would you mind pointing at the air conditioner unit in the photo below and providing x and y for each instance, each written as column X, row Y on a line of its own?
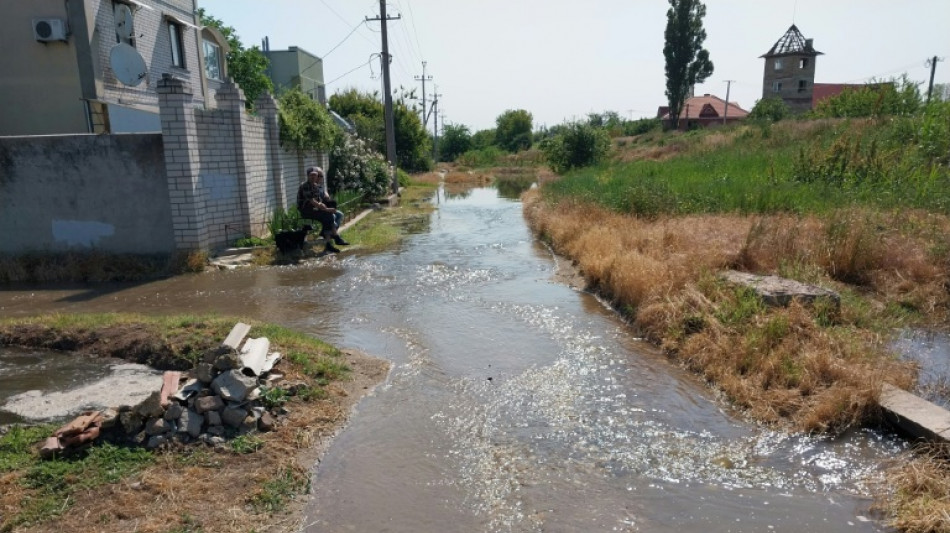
column 49, row 29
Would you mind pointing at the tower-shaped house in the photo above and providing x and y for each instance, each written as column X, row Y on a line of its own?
column 790, row 70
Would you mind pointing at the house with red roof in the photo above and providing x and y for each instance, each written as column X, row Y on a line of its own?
column 704, row 111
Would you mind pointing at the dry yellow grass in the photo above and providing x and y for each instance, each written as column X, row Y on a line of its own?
column 781, row 365
column 916, row 497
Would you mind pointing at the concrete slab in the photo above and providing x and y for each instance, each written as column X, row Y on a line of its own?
column 915, row 415
column 238, row 332
column 778, row 291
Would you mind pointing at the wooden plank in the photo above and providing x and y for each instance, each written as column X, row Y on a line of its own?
column 915, row 415
column 238, row 332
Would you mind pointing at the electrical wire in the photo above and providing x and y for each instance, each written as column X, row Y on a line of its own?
column 344, row 39
column 372, row 57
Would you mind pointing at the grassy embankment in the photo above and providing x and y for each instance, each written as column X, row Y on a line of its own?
column 110, row 487
column 858, row 206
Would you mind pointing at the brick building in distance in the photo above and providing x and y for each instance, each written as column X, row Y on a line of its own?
column 790, row 73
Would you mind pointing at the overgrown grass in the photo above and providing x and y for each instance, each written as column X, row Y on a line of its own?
column 816, row 368
column 795, row 167
column 917, row 496
column 46, row 489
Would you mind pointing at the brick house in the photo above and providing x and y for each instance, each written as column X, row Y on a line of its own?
column 93, row 66
column 790, row 70
column 704, row 111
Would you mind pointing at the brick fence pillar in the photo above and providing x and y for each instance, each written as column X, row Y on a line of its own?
column 180, row 139
column 267, row 109
column 230, row 99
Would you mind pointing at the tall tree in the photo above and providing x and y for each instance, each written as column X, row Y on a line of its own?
column 456, row 139
column 365, row 112
column 687, row 62
column 246, row 66
column 513, row 130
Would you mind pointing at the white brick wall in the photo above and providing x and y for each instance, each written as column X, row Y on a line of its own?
column 152, row 43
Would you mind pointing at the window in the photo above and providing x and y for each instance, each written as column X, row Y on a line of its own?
column 802, row 85
column 178, row 46
column 803, row 62
column 212, row 60
column 778, row 64
column 776, row 86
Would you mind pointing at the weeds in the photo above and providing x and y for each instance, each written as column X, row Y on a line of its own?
column 245, row 444
column 274, row 494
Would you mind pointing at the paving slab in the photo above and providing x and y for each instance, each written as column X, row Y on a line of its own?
column 778, row 291
column 915, row 415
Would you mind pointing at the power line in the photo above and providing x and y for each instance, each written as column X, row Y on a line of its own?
column 344, row 39
column 348, row 23
column 371, row 58
column 412, row 20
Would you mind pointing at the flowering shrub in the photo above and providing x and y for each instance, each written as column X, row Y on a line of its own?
column 354, row 166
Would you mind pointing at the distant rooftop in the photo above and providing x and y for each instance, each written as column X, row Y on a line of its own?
column 793, row 42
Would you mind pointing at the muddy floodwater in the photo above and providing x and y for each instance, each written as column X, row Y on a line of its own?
column 515, row 403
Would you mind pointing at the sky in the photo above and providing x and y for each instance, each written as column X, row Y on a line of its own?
column 563, row 59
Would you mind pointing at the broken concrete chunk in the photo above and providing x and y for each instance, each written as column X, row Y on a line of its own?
column 190, row 389
column 233, row 416
column 110, row 417
column 208, row 403
column 237, row 334
column 266, row 422
column 204, row 372
column 156, row 441
column 777, row 291
column 233, row 385
column 173, row 411
column 151, row 407
column 227, row 361
column 213, row 418
column 190, row 422
column 131, row 422
column 272, row 360
column 254, row 356
column 158, row 426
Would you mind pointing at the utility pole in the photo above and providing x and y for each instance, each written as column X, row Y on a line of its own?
column 932, row 63
column 435, row 124
column 388, row 94
column 725, row 112
column 423, row 79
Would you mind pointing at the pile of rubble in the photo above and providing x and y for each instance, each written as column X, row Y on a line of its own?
column 219, row 398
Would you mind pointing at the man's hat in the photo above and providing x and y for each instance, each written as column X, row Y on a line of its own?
column 314, row 170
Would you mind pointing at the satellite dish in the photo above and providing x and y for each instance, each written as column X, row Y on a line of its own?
column 128, row 65
column 123, row 22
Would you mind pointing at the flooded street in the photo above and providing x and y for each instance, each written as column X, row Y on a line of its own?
column 515, row 403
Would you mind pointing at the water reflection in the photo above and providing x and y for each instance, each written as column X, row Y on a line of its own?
column 931, row 351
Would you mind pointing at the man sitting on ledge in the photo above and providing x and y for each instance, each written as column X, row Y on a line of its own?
column 314, row 203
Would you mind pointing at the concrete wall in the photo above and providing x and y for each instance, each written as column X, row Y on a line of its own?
column 40, row 84
column 210, row 177
column 78, row 192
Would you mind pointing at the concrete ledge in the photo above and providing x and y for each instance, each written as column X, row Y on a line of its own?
column 915, row 415
column 777, row 291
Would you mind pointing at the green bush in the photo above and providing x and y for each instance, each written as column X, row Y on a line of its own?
column 482, row 157
column 282, row 220
column 771, row 109
column 890, row 98
column 354, row 166
column 576, row 145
